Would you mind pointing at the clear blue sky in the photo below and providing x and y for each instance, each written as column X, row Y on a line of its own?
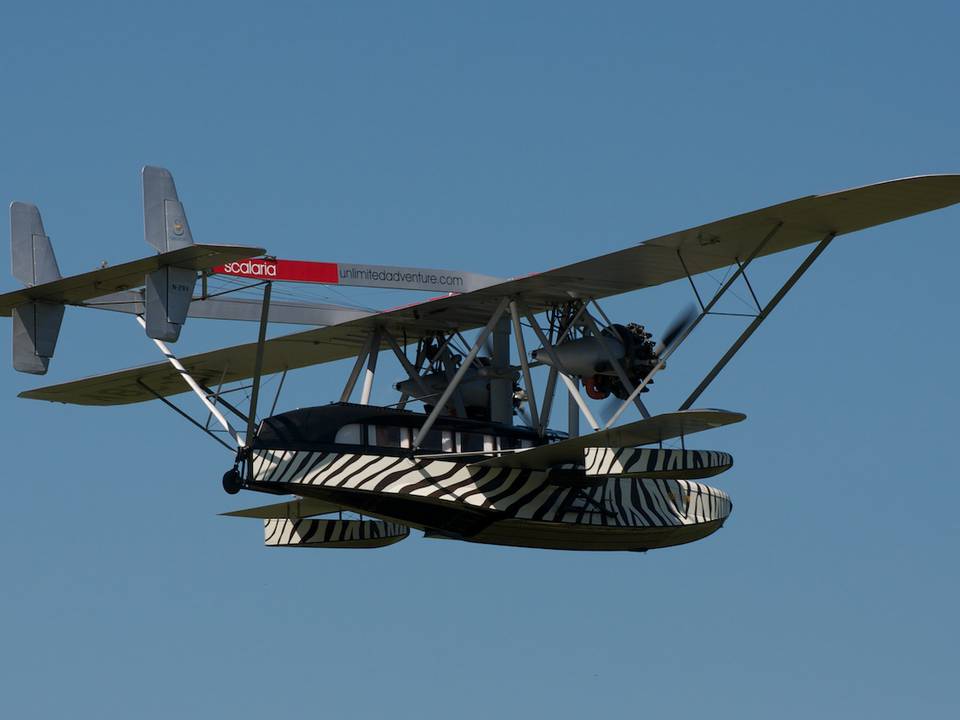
column 502, row 138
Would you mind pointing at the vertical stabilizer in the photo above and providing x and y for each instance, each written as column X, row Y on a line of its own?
column 36, row 325
column 33, row 259
column 165, row 222
column 170, row 289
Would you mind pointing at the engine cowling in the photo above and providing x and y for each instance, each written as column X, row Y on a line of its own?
column 588, row 359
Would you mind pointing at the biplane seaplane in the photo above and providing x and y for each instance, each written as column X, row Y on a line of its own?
column 466, row 452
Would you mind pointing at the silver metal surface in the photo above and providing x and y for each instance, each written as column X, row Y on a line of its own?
column 571, row 387
column 549, row 392
column 357, row 367
column 36, row 327
column 531, row 392
column 450, row 370
column 461, row 371
column 258, row 364
column 276, row 398
column 36, row 324
column 371, row 367
column 618, row 368
column 412, row 372
column 581, row 355
column 167, row 296
column 164, row 221
column 501, row 386
column 32, row 258
column 573, row 408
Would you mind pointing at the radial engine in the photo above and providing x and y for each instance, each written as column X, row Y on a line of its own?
column 589, row 358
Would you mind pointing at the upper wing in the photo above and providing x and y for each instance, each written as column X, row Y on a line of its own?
column 701, row 249
column 721, row 243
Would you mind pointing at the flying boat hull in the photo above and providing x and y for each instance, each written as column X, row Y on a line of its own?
column 502, row 506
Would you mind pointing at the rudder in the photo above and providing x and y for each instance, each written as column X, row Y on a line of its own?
column 169, row 290
column 36, row 325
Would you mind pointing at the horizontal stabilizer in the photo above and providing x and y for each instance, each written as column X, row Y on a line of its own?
column 75, row 289
column 299, row 508
column 658, row 428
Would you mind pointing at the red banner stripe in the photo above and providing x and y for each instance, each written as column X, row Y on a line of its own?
column 288, row 270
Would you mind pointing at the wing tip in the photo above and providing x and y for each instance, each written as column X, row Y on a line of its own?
column 949, row 180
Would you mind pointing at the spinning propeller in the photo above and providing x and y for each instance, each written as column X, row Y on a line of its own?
column 676, row 328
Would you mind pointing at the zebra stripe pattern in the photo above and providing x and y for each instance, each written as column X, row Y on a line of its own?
column 519, row 494
column 654, row 462
column 284, row 532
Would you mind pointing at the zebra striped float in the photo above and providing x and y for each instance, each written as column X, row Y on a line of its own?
column 284, row 532
column 654, row 462
column 505, row 505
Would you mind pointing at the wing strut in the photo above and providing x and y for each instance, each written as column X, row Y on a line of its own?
column 745, row 335
column 615, row 364
column 408, row 367
column 188, row 379
column 371, row 367
column 704, row 311
column 549, row 391
column 571, row 385
column 276, row 398
column 461, row 371
column 181, row 413
column 258, row 364
column 525, row 367
column 355, row 372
